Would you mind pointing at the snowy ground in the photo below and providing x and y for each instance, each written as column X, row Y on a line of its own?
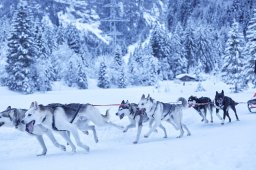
column 211, row 146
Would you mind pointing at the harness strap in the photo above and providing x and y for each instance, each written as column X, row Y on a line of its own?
column 79, row 107
column 154, row 109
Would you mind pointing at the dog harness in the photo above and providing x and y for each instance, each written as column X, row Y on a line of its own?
column 67, row 106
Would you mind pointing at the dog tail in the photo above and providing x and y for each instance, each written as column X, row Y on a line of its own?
column 183, row 101
column 107, row 115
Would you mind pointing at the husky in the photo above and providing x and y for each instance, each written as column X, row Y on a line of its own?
column 159, row 111
column 225, row 103
column 202, row 105
column 67, row 118
column 136, row 116
column 12, row 117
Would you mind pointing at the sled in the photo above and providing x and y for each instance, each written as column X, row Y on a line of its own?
column 252, row 105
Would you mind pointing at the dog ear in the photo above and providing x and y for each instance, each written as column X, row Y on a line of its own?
column 222, row 92
column 148, row 96
column 216, row 93
column 35, row 105
column 32, row 104
column 127, row 102
column 122, row 102
column 8, row 108
column 143, row 96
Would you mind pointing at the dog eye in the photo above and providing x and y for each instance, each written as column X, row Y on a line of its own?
column 29, row 114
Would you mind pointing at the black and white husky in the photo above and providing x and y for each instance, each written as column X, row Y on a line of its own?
column 202, row 105
column 136, row 117
column 12, row 117
column 159, row 111
column 225, row 103
column 65, row 118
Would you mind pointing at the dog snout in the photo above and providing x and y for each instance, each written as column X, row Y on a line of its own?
column 116, row 114
column 23, row 122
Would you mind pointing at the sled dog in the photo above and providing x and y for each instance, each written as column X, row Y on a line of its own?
column 12, row 117
column 225, row 103
column 67, row 118
column 159, row 111
column 136, row 117
column 202, row 105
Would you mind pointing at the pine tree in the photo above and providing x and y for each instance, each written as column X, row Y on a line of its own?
column 103, row 80
column 73, row 39
column 250, row 51
column 4, row 30
column 179, row 61
column 43, row 64
column 203, row 50
column 233, row 59
column 20, row 58
column 143, row 67
column 190, row 49
column 117, row 69
column 82, row 82
column 161, row 49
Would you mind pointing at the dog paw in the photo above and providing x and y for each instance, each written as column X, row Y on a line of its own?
column 189, row 134
column 211, row 121
column 124, row 131
column 145, row 136
column 96, row 140
column 222, row 123
column 42, row 154
column 135, row 142
column 63, row 148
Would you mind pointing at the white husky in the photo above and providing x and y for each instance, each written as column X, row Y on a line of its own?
column 159, row 111
column 67, row 118
column 12, row 117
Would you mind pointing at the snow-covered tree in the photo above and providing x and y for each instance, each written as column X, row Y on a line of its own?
column 103, row 79
column 73, row 38
column 143, row 67
column 161, row 49
column 4, row 31
column 179, row 61
column 203, row 50
column 250, row 51
column 21, row 53
column 117, row 73
column 43, row 64
column 233, row 59
column 190, row 48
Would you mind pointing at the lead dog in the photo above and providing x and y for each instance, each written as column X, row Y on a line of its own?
column 136, row 116
column 225, row 103
column 159, row 111
column 67, row 118
column 12, row 117
column 202, row 105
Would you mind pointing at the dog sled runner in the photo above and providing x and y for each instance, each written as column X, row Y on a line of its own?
column 252, row 105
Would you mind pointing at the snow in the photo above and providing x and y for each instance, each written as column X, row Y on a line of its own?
column 212, row 146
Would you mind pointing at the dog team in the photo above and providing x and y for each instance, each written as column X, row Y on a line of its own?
column 69, row 119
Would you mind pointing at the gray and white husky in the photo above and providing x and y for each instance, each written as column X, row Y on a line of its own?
column 159, row 111
column 136, row 116
column 12, row 117
column 65, row 118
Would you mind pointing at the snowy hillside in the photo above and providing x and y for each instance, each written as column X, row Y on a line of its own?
column 211, row 146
